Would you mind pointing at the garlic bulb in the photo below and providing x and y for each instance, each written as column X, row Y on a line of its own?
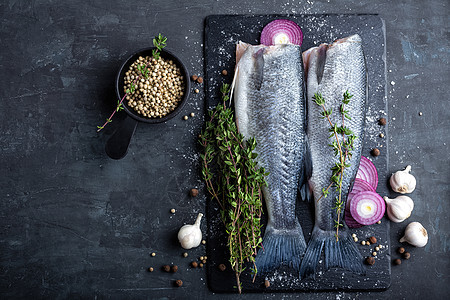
column 415, row 234
column 399, row 209
column 402, row 182
column 190, row 236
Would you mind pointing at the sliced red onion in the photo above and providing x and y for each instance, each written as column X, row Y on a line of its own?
column 281, row 32
column 367, row 207
column 359, row 185
column 351, row 223
column 368, row 172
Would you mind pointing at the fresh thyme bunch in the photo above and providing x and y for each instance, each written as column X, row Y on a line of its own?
column 342, row 148
column 234, row 180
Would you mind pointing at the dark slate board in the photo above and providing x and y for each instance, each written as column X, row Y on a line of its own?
column 221, row 34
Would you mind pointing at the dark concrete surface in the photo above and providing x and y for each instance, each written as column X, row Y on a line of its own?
column 76, row 224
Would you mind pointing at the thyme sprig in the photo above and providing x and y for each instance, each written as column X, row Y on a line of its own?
column 342, row 147
column 159, row 42
column 233, row 179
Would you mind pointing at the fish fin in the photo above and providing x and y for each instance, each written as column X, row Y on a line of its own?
column 305, row 190
column 281, row 247
column 259, row 67
column 342, row 253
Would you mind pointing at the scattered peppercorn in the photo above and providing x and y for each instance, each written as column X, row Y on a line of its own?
column 153, row 254
column 185, row 117
column 178, row 283
column 367, row 243
column 204, row 261
column 197, row 91
column 370, row 261
column 377, row 248
column 194, row 77
column 200, row 265
column 174, row 269
column 222, row 267
column 397, row 261
column 192, row 114
column 420, row 113
column 381, row 135
column 372, row 240
column 205, row 257
column 172, row 210
column 202, row 258
column 150, row 269
column 200, row 79
column 194, row 192
column 194, row 264
column 363, row 243
column 382, row 121
column 185, row 254
column 406, row 255
column 166, row 268
column 203, row 242
column 401, row 250
column 224, row 72
column 375, row 152
column 266, row 283
column 374, row 253
column 379, row 222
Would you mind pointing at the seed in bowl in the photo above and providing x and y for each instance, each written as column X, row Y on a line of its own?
column 158, row 86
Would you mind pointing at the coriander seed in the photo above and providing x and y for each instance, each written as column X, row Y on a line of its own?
column 185, row 254
column 153, row 254
column 401, row 250
column 178, row 283
column 370, row 261
column 150, row 269
column 397, row 261
column 185, row 117
column 222, row 267
column 224, row 72
column 192, row 114
column 406, row 255
column 172, row 210
column 203, row 242
column 266, row 283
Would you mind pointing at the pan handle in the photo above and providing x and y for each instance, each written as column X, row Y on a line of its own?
column 117, row 145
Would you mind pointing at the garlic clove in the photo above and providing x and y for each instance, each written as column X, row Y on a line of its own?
column 402, row 181
column 190, row 236
column 415, row 234
column 399, row 209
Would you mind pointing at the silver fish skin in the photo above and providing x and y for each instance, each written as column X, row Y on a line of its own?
column 333, row 69
column 270, row 106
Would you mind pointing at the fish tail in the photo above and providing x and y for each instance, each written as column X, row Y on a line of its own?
column 281, row 247
column 342, row 253
column 306, row 192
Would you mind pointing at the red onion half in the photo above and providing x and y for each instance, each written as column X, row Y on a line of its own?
column 368, row 172
column 367, row 208
column 281, row 32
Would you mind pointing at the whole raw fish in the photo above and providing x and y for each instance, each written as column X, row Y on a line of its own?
column 333, row 69
column 270, row 106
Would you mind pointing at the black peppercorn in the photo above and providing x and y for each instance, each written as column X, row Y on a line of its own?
column 222, row 267
column 370, row 261
column 194, row 192
column 375, row 152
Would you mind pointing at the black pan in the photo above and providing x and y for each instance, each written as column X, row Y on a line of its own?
column 117, row 145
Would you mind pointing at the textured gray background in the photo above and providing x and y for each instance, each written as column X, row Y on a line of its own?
column 74, row 223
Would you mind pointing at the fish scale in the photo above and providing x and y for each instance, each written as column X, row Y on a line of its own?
column 270, row 107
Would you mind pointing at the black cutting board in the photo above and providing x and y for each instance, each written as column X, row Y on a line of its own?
column 222, row 32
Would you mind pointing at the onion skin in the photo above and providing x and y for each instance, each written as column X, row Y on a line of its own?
column 281, row 26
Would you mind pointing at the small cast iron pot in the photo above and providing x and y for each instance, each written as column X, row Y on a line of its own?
column 117, row 145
